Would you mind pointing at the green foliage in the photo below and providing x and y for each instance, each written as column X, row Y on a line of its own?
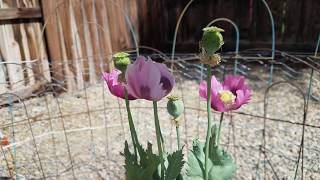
column 221, row 165
column 146, row 168
column 175, row 164
column 148, row 165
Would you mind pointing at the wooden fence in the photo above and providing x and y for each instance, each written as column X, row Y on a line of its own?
column 297, row 23
column 78, row 36
column 23, row 58
column 82, row 35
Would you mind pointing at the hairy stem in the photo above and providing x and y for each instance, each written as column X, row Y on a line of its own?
column 159, row 136
column 178, row 136
column 209, row 121
column 219, row 130
column 133, row 132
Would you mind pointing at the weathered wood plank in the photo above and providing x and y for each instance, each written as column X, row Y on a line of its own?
column 88, row 42
column 104, row 33
column 3, row 81
column 93, row 29
column 69, row 78
column 120, row 34
column 76, row 49
column 53, row 41
column 76, row 6
column 20, row 13
column 11, row 54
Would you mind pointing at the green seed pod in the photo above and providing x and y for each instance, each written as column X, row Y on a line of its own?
column 212, row 40
column 175, row 106
column 121, row 61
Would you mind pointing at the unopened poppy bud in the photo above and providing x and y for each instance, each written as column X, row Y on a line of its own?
column 121, row 61
column 175, row 106
column 212, row 40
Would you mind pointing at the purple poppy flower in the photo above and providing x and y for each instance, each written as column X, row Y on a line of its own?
column 230, row 95
column 115, row 86
column 149, row 80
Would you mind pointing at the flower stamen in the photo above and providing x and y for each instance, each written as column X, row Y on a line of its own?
column 227, row 97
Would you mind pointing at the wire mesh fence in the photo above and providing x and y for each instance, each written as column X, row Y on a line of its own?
column 79, row 134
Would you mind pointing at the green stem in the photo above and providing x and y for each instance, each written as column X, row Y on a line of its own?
column 219, row 130
column 209, row 121
column 133, row 132
column 178, row 136
column 159, row 136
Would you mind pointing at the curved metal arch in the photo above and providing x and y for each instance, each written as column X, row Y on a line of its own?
column 191, row 1
column 235, row 27
column 235, row 70
column 177, row 28
column 317, row 47
column 273, row 46
column 305, row 112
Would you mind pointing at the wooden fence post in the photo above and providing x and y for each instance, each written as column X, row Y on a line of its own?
column 52, row 36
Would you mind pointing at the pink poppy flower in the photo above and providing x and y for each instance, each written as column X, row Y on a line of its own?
column 149, row 80
column 230, row 95
column 115, row 86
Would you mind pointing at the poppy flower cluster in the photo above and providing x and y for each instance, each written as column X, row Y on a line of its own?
column 151, row 81
column 144, row 79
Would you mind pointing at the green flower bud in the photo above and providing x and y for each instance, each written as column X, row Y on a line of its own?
column 175, row 106
column 121, row 61
column 212, row 40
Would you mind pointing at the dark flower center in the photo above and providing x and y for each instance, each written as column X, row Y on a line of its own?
column 166, row 84
column 146, row 92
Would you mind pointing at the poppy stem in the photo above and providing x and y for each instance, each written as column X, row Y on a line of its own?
column 209, row 122
column 133, row 132
column 159, row 136
column 178, row 136
column 219, row 130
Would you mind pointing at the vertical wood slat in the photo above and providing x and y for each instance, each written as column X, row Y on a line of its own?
column 76, row 49
column 11, row 53
column 104, row 33
column 93, row 30
column 37, row 45
column 88, row 42
column 76, row 6
column 120, row 35
column 70, row 84
column 52, row 36
column 65, row 40
column 27, row 56
column 3, row 81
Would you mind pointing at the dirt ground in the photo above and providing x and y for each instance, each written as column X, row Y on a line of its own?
column 81, row 133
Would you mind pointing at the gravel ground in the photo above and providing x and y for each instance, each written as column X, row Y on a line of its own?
column 81, row 133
